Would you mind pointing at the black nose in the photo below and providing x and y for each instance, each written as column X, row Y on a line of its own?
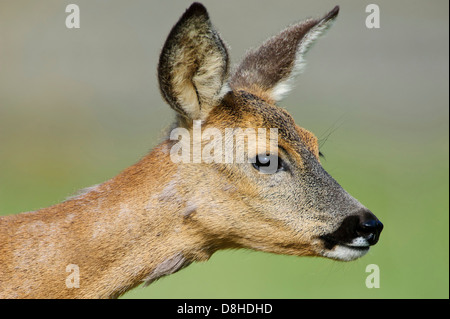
column 369, row 227
column 362, row 224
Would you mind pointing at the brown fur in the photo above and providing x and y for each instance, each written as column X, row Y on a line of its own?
column 157, row 216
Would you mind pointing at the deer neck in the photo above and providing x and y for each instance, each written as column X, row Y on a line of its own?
column 129, row 230
column 146, row 220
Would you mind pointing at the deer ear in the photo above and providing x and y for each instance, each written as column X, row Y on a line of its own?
column 193, row 65
column 271, row 68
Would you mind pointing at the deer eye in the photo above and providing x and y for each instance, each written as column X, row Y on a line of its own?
column 268, row 164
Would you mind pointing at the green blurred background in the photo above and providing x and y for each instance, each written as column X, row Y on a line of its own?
column 78, row 106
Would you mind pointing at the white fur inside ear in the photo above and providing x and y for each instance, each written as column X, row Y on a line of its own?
column 225, row 89
column 209, row 86
column 280, row 90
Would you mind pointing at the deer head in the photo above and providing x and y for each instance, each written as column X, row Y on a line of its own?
column 297, row 208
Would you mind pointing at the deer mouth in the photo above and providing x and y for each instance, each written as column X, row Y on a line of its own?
column 358, row 243
column 344, row 251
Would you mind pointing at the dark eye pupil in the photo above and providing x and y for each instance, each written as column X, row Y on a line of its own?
column 268, row 164
column 263, row 160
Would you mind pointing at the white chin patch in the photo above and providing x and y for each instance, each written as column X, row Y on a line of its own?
column 354, row 250
column 345, row 253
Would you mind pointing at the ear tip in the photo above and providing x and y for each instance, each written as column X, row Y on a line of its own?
column 332, row 14
column 196, row 8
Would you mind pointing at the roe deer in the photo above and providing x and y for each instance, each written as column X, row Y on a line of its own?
column 160, row 215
